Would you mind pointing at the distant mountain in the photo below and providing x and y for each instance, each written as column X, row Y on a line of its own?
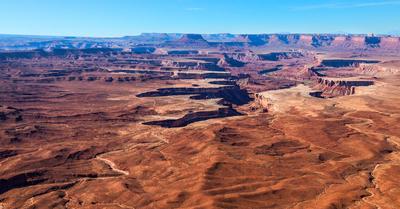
column 295, row 41
column 192, row 38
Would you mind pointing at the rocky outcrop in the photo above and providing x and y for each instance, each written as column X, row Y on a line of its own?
column 143, row 50
column 279, row 39
column 381, row 69
column 195, row 117
column 111, row 78
column 192, row 65
column 326, row 41
column 270, row 70
column 228, row 94
column 373, row 41
column 228, row 61
column 276, row 56
column 260, row 103
column 252, row 39
column 244, row 57
column 336, row 63
column 188, row 40
column 322, row 40
column 333, row 88
column 22, row 180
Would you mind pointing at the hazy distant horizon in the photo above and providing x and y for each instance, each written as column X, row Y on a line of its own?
column 143, row 33
column 108, row 18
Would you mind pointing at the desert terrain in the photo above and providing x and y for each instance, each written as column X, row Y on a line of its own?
column 200, row 121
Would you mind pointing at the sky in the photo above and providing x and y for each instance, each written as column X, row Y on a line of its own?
column 114, row 18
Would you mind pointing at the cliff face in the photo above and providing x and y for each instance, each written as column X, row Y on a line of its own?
column 244, row 56
column 143, row 50
column 228, row 94
column 195, row 117
column 333, row 88
column 192, row 38
column 228, row 61
column 189, row 40
column 261, row 103
column 325, row 41
column 276, row 56
column 209, row 66
column 336, row 63
column 321, row 41
column 256, row 40
column 381, row 69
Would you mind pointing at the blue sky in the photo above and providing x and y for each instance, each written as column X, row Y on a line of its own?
column 106, row 18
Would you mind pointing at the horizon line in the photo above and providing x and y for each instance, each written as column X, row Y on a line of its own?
column 182, row 33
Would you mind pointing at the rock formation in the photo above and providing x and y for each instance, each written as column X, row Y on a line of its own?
column 192, row 40
column 229, row 94
column 332, row 88
column 381, row 69
column 275, row 56
column 229, row 61
column 195, row 117
column 345, row 63
column 311, row 41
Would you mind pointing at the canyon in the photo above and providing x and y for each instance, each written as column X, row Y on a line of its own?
column 145, row 42
column 200, row 121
